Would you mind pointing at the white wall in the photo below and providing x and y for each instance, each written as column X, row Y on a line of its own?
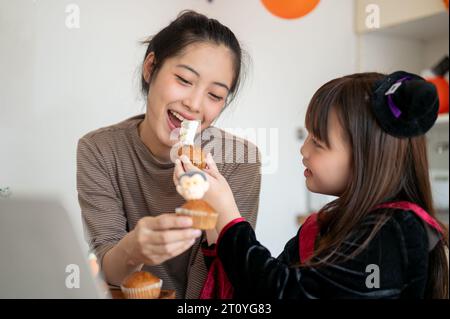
column 56, row 84
column 389, row 53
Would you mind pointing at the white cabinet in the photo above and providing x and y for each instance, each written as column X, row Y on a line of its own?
column 401, row 17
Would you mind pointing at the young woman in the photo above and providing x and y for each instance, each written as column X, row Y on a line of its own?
column 191, row 70
column 379, row 239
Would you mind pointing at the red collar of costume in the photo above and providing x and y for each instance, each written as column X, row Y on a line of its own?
column 310, row 228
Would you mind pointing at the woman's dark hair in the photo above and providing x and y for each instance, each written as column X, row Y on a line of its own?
column 383, row 168
column 188, row 28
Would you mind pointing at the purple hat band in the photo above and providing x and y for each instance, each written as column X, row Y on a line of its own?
column 394, row 109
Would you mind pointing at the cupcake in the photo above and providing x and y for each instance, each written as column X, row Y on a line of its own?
column 203, row 215
column 195, row 154
column 193, row 185
column 141, row 285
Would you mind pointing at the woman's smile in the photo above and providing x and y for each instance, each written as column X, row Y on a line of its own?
column 175, row 118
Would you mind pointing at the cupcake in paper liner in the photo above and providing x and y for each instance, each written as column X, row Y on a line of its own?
column 141, row 285
column 203, row 216
column 192, row 186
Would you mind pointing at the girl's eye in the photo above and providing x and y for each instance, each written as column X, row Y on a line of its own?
column 215, row 97
column 182, row 80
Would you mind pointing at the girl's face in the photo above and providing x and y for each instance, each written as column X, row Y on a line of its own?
column 327, row 168
column 192, row 86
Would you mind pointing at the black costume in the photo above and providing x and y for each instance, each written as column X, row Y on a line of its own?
column 400, row 250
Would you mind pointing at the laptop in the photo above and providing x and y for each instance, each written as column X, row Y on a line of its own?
column 40, row 253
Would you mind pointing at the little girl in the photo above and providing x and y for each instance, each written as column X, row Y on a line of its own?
column 379, row 238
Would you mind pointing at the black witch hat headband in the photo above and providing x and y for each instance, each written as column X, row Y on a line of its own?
column 405, row 104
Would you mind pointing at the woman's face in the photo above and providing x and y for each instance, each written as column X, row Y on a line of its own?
column 192, row 86
column 327, row 168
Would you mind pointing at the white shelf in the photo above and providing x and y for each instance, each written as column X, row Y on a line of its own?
column 416, row 19
column 442, row 119
column 427, row 28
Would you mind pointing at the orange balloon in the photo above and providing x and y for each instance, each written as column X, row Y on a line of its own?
column 441, row 85
column 290, row 9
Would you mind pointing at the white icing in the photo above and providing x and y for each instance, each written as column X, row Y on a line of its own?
column 187, row 132
column 192, row 187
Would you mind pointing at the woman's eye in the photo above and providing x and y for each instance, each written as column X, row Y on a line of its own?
column 215, row 97
column 182, row 80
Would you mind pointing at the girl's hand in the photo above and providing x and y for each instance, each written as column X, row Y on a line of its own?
column 219, row 194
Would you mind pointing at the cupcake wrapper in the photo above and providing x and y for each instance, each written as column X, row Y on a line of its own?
column 200, row 220
column 148, row 292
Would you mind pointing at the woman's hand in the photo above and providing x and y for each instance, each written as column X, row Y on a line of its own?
column 219, row 194
column 157, row 239
column 153, row 241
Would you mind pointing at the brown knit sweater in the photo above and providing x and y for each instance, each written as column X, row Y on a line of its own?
column 119, row 181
